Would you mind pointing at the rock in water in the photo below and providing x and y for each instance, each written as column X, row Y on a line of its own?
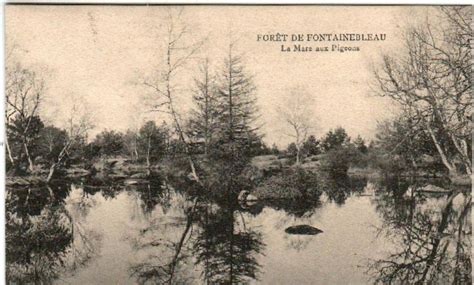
column 243, row 195
column 251, row 198
column 302, row 230
column 246, row 197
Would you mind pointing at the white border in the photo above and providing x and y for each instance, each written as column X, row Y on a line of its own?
column 137, row 2
column 247, row 2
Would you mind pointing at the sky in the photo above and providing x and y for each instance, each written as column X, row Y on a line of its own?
column 100, row 53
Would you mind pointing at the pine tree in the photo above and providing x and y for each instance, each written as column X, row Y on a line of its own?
column 203, row 118
column 236, row 105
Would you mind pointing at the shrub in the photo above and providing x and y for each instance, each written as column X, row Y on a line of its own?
column 338, row 160
column 293, row 183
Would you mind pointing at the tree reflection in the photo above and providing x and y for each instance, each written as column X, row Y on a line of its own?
column 155, row 191
column 36, row 245
column 432, row 238
column 225, row 248
column 188, row 238
column 164, row 244
column 339, row 187
column 86, row 242
column 42, row 237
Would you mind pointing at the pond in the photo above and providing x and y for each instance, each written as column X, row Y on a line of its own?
column 110, row 233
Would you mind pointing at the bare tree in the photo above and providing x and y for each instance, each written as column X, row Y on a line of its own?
column 131, row 143
column 164, row 86
column 78, row 123
column 432, row 81
column 24, row 91
column 296, row 111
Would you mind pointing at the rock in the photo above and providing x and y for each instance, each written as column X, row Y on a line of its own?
column 247, row 204
column 409, row 193
column 134, row 181
column 245, row 196
column 369, row 190
column 191, row 176
column 114, row 163
column 139, row 175
column 303, row 230
column 251, row 198
column 433, row 189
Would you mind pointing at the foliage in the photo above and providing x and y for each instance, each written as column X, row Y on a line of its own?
column 360, row 145
column 338, row 160
column 236, row 105
column 335, row 139
column 292, row 183
column 236, row 136
column 203, row 121
column 400, row 145
column 130, row 144
column 151, row 142
column 311, row 146
column 258, row 146
column 274, row 149
column 24, row 90
column 23, row 135
column 36, row 245
column 50, row 143
column 291, row 150
column 110, row 143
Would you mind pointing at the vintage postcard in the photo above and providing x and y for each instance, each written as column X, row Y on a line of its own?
column 238, row 144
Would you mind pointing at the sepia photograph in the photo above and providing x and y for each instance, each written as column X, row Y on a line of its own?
column 237, row 144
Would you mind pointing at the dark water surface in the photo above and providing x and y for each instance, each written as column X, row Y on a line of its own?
column 155, row 234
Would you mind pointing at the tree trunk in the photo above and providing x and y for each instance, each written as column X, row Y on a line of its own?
column 135, row 151
column 468, row 158
column 61, row 155
column 148, row 153
column 462, row 150
column 27, row 153
column 9, row 151
column 168, row 95
column 451, row 168
column 297, row 156
column 174, row 262
column 51, row 172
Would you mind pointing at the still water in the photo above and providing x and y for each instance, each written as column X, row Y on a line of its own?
column 76, row 233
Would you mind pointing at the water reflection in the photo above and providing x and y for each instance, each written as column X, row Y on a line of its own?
column 37, row 244
column 226, row 247
column 93, row 232
column 432, row 238
column 43, row 239
column 164, row 244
